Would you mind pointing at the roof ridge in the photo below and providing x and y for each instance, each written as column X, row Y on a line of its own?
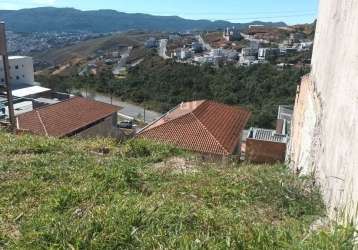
column 41, row 121
column 72, row 115
column 170, row 111
column 207, row 130
column 203, row 101
column 71, row 99
column 235, row 108
column 164, row 123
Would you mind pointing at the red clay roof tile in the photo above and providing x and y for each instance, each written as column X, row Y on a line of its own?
column 203, row 126
column 64, row 118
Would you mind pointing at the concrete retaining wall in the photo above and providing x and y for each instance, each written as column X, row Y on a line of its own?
column 325, row 126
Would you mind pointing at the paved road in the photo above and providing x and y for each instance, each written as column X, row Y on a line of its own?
column 128, row 109
column 162, row 50
column 123, row 62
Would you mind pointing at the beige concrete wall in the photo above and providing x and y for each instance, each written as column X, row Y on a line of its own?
column 304, row 124
column 325, row 130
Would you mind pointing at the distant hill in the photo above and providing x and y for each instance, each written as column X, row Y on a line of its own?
column 102, row 21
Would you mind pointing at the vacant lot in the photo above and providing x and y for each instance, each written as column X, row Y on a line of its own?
column 66, row 194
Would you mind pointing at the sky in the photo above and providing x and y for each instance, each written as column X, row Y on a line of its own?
column 239, row 11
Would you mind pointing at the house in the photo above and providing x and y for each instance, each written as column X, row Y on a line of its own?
column 206, row 127
column 73, row 117
column 232, row 34
column 248, row 55
column 257, row 29
column 21, row 70
column 267, row 145
column 268, row 53
column 151, row 43
column 31, row 92
column 185, row 53
column 284, row 119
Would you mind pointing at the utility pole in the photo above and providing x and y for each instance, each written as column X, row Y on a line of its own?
column 5, row 60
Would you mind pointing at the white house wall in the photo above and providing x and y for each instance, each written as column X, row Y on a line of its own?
column 21, row 70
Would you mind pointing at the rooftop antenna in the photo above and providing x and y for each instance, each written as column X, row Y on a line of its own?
column 5, row 60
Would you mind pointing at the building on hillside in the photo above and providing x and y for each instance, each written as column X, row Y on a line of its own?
column 295, row 38
column 232, row 34
column 268, row 53
column 267, row 145
column 197, row 47
column 31, row 92
column 245, row 52
column 28, row 97
column 77, row 116
column 21, row 106
column 305, row 46
column 255, row 45
column 284, row 120
column 151, row 43
column 206, row 127
column 248, row 56
column 21, row 70
column 257, row 29
column 185, row 53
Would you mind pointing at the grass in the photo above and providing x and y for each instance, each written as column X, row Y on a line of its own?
column 96, row 194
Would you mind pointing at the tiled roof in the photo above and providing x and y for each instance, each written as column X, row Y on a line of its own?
column 64, row 118
column 202, row 126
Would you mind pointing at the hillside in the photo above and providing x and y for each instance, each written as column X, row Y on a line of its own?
column 69, row 194
column 102, row 21
column 260, row 88
column 90, row 48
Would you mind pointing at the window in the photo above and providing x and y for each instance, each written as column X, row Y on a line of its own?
column 2, row 80
column 17, row 77
column 23, row 76
column 17, row 67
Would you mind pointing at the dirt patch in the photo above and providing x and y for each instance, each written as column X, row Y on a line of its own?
column 176, row 165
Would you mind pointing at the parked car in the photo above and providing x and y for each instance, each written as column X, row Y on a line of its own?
column 126, row 124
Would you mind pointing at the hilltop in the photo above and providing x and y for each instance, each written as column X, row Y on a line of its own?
column 100, row 194
column 103, row 21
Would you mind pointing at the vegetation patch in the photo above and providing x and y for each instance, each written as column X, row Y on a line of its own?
column 260, row 88
column 62, row 195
